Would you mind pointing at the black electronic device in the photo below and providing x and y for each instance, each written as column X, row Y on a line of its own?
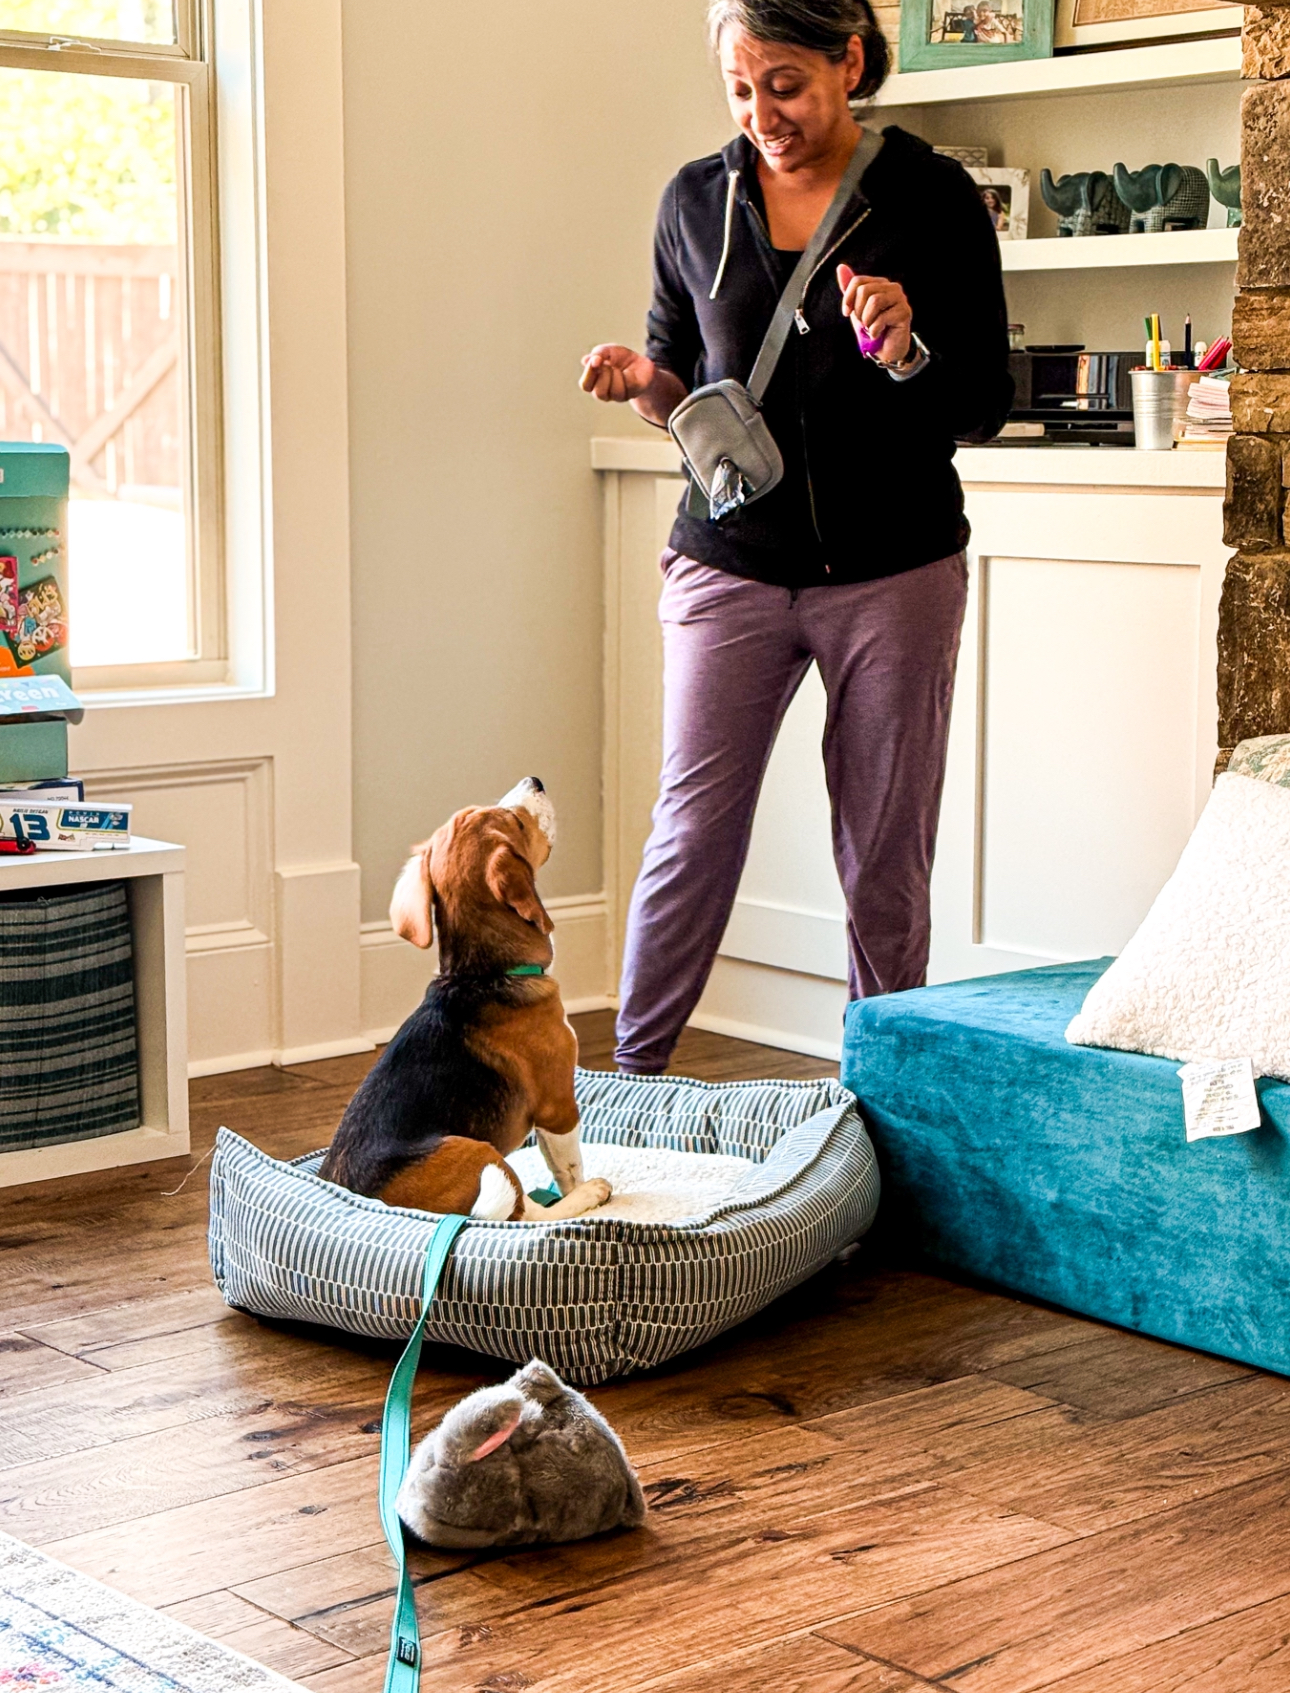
column 1069, row 395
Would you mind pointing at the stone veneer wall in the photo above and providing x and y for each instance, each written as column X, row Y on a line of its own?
column 1254, row 618
column 888, row 17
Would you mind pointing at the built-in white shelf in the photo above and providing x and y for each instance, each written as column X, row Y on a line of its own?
column 1090, row 468
column 1164, row 66
column 153, row 872
column 1082, row 467
column 1112, row 252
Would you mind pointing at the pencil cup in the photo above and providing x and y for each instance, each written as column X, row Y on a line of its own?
column 1153, row 409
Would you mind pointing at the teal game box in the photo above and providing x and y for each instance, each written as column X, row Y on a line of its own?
column 34, row 484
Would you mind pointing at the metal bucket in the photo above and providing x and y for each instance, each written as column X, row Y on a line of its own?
column 1153, row 409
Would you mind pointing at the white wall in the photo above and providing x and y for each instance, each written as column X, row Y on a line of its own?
column 503, row 165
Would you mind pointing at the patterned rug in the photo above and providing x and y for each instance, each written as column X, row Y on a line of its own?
column 63, row 1632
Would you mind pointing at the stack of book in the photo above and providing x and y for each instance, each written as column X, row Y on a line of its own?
column 1209, row 413
column 42, row 809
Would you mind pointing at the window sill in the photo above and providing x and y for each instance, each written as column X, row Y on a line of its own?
column 197, row 682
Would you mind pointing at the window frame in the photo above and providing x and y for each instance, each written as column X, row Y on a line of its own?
column 188, row 65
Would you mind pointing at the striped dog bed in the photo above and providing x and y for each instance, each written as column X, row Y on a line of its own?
column 593, row 1299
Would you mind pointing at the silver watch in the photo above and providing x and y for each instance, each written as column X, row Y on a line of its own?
column 915, row 360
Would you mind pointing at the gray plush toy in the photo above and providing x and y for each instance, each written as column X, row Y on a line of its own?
column 528, row 1461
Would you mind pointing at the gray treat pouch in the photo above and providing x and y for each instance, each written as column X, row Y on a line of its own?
column 727, row 447
column 729, row 452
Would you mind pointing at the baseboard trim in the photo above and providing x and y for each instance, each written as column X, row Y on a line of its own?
column 322, row 1049
column 782, row 1039
column 572, row 1008
column 591, row 1002
column 393, row 975
column 231, row 1061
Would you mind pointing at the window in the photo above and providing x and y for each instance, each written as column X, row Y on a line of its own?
column 108, row 317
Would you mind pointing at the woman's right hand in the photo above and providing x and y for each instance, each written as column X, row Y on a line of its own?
column 611, row 372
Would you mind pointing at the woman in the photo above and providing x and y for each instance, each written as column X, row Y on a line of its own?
column 855, row 561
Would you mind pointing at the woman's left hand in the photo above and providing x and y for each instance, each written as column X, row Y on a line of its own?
column 880, row 307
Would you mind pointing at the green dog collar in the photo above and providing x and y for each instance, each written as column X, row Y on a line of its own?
column 528, row 970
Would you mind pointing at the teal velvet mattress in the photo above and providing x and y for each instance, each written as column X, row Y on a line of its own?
column 1064, row 1172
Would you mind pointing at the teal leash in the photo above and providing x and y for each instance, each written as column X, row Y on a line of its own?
column 403, row 1672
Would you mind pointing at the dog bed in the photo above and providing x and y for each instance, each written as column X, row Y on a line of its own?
column 594, row 1298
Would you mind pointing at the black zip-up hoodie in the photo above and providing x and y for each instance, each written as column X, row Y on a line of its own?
column 869, row 488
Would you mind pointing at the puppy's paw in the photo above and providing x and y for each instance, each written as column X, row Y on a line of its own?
column 584, row 1198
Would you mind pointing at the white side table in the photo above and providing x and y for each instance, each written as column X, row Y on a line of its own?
column 153, row 872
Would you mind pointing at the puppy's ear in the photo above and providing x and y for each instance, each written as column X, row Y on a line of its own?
column 412, row 903
column 510, row 881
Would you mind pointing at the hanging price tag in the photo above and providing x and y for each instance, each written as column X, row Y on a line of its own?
column 1219, row 1098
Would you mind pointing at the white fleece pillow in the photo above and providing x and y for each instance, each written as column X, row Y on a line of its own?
column 652, row 1184
column 1208, row 973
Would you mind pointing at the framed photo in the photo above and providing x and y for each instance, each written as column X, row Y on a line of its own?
column 1115, row 23
column 1006, row 196
column 940, row 34
column 968, row 157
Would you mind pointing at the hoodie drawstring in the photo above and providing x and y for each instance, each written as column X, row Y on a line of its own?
column 731, row 188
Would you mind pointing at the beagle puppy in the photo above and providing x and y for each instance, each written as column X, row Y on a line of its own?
column 488, row 1054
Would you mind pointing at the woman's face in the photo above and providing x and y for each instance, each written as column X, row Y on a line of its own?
column 789, row 101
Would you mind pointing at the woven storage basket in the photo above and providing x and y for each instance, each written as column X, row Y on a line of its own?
column 69, row 1061
column 593, row 1299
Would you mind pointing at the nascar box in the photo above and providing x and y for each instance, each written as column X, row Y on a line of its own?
column 63, row 824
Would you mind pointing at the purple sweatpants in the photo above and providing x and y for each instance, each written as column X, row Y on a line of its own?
column 734, row 654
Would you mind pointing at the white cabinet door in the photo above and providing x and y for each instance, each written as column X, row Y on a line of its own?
column 1081, row 752
column 1085, row 722
column 1082, row 746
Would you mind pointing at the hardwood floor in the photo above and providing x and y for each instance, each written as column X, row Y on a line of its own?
column 886, row 1483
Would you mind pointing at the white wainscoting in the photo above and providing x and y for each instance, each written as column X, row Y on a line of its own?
column 222, row 809
column 393, row 974
column 318, row 991
column 1081, row 750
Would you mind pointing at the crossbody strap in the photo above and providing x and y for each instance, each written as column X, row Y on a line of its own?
column 403, row 1672
column 866, row 151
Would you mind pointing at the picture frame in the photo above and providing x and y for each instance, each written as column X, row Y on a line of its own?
column 945, row 34
column 1006, row 194
column 1091, row 24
